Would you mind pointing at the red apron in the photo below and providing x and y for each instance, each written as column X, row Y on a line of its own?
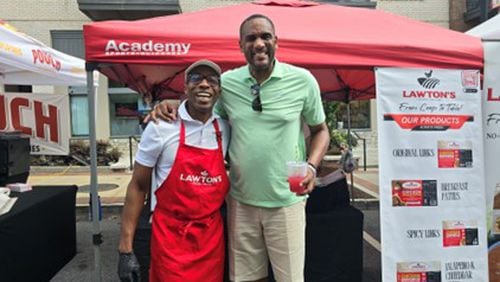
column 187, row 240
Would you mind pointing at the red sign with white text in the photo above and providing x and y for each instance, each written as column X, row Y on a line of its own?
column 429, row 122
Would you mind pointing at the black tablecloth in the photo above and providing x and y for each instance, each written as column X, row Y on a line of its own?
column 38, row 235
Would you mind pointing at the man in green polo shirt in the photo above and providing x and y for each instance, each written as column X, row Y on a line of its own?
column 267, row 102
column 264, row 139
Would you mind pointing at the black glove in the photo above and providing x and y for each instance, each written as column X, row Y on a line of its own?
column 129, row 268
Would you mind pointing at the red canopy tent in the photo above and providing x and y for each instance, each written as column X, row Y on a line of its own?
column 339, row 45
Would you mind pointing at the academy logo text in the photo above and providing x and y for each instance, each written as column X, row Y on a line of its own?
column 148, row 48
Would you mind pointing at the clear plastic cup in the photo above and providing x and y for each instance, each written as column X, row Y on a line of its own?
column 297, row 171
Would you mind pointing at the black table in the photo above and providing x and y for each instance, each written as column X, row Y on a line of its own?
column 38, row 235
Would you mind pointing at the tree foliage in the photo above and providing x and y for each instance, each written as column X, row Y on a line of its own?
column 338, row 136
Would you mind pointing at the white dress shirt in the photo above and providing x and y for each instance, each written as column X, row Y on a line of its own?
column 160, row 141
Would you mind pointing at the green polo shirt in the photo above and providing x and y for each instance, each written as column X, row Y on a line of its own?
column 262, row 142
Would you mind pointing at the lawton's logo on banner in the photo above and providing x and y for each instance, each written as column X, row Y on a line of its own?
column 202, row 179
column 150, row 47
column 427, row 81
column 434, row 102
column 429, row 94
column 470, row 81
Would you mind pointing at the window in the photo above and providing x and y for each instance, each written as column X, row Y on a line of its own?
column 79, row 115
column 336, row 114
column 69, row 42
column 360, row 114
column 79, row 111
column 125, row 111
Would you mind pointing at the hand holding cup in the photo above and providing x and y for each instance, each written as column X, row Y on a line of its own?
column 297, row 171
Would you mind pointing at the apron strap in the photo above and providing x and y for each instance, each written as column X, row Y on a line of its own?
column 182, row 135
column 218, row 134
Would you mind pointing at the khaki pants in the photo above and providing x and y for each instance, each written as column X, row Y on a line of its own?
column 257, row 235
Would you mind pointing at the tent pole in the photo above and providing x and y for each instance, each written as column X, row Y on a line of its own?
column 348, row 104
column 349, row 140
column 94, row 199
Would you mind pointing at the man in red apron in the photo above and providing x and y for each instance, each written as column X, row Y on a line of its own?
column 187, row 157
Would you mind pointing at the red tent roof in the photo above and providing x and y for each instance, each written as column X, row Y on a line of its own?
column 339, row 45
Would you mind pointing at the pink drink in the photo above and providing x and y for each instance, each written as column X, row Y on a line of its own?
column 294, row 182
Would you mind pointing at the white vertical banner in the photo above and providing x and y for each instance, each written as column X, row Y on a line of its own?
column 431, row 165
column 491, row 107
column 44, row 117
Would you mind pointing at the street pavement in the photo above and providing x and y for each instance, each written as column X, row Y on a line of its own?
column 365, row 198
column 112, row 188
column 112, row 185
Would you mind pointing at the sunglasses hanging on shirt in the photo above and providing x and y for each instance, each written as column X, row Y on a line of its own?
column 256, row 103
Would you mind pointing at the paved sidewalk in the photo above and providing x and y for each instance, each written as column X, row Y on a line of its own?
column 112, row 186
column 367, row 181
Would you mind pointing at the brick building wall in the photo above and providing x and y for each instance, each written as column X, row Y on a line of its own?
column 195, row 5
column 457, row 10
column 37, row 17
column 431, row 11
